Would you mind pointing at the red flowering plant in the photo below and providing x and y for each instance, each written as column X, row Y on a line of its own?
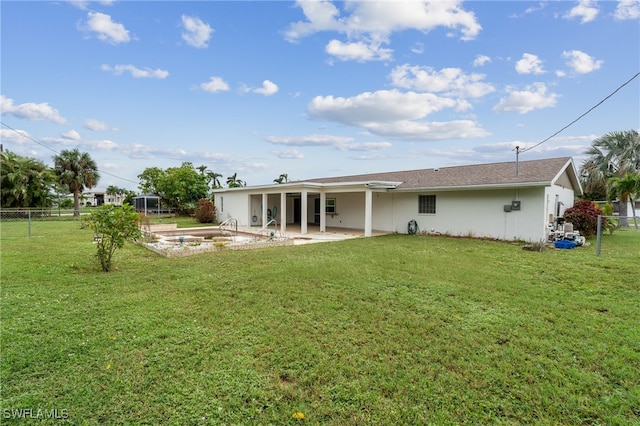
column 584, row 217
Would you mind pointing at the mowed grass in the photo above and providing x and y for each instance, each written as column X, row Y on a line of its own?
column 387, row 330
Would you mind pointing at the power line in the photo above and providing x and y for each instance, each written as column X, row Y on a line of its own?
column 520, row 151
column 28, row 137
column 57, row 152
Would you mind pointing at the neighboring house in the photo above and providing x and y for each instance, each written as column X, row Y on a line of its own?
column 483, row 200
column 98, row 198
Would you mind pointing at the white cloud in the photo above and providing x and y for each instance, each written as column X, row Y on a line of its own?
column 627, row 9
column 84, row 4
column 392, row 113
column 322, row 16
column 481, row 60
column 288, row 154
column 17, row 137
column 369, row 24
column 531, row 98
column 95, row 125
column 529, row 64
column 268, row 88
column 30, row 111
column 450, row 81
column 429, row 131
column 383, row 105
column 196, row 33
column 580, row 62
column 71, row 135
column 106, row 29
column 136, row 72
column 418, row 48
column 340, row 143
column 358, row 51
column 585, row 10
column 215, row 84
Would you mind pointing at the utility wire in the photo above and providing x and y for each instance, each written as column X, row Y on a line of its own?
column 57, row 152
column 520, row 151
column 28, row 137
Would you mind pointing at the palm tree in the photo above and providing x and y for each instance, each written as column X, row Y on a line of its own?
column 77, row 171
column 283, row 178
column 234, row 182
column 625, row 188
column 25, row 182
column 214, row 179
column 612, row 155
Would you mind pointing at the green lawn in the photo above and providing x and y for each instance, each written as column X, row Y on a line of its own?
column 387, row 330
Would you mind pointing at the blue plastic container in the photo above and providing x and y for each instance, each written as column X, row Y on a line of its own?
column 565, row 244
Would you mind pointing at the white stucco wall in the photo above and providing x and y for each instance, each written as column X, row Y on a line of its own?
column 477, row 214
column 230, row 205
column 461, row 213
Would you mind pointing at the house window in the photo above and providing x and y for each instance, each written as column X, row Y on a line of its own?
column 330, row 206
column 427, row 204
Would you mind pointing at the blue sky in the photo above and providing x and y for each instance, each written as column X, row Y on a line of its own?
column 313, row 88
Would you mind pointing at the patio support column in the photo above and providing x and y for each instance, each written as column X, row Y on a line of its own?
column 283, row 212
column 368, row 201
column 323, row 216
column 303, row 211
column 265, row 206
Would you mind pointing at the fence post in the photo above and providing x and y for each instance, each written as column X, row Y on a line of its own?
column 29, row 221
column 598, row 235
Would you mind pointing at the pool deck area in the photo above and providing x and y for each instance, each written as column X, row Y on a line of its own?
column 292, row 231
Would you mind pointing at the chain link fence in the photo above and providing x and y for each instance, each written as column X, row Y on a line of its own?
column 612, row 225
column 23, row 222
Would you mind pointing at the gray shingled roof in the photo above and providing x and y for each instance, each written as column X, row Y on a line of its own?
column 534, row 171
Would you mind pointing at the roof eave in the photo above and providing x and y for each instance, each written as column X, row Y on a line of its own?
column 476, row 187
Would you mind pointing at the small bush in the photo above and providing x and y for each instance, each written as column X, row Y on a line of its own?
column 612, row 224
column 113, row 226
column 584, row 217
column 205, row 212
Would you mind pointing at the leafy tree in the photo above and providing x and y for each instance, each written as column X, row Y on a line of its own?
column 77, row 171
column 612, row 155
column 283, row 178
column 625, row 189
column 180, row 188
column 149, row 180
column 584, row 217
column 24, row 182
column 234, row 182
column 128, row 198
column 113, row 226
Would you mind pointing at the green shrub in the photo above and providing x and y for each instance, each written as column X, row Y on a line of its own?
column 584, row 217
column 113, row 226
column 205, row 212
column 66, row 203
column 612, row 224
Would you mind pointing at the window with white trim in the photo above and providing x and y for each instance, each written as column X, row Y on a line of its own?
column 330, row 206
column 427, row 204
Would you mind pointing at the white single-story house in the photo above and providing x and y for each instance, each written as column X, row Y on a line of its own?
column 508, row 201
